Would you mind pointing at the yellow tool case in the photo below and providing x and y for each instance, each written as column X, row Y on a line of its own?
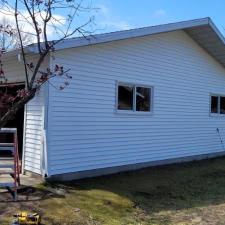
column 24, row 218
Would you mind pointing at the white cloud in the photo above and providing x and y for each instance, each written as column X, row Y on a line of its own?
column 103, row 9
column 27, row 25
column 109, row 22
column 116, row 25
column 160, row 13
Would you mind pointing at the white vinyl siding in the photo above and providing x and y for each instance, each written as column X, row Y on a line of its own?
column 34, row 160
column 13, row 70
column 86, row 133
column 34, row 125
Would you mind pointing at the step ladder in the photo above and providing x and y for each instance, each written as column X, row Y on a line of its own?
column 9, row 162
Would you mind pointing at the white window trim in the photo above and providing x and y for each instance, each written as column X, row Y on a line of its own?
column 210, row 102
column 134, row 112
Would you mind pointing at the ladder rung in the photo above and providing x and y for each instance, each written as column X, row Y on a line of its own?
column 6, row 161
column 8, row 130
column 6, row 171
column 9, row 166
column 11, row 149
column 7, row 184
column 6, row 158
column 7, row 144
column 7, row 147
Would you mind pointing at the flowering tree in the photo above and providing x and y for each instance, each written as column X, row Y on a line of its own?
column 42, row 20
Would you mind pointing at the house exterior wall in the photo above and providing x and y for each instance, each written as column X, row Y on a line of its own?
column 33, row 117
column 33, row 131
column 13, row 69
column 85, row 132
column 34, row 127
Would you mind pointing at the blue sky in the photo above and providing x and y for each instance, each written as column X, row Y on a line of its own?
column 124, row 14
column 114, row 15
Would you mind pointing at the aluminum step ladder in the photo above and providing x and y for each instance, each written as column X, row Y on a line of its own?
column 9, row 162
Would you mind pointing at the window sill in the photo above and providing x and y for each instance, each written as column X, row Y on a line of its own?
column 216, row 115
column 133, row 113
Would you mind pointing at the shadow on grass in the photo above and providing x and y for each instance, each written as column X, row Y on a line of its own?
column 30, row 194
column 173, row 187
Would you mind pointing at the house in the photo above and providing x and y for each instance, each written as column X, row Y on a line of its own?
column 142, row 97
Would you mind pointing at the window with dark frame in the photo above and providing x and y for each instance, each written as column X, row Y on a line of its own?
column 214, row 104
column 143, row 99
column 222, row 105
column 125, row 97
column 134, row 98
column 217, row 104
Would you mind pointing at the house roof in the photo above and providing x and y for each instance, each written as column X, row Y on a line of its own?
column 203, row 31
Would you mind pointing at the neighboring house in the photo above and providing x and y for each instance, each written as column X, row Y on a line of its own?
column 140, row 97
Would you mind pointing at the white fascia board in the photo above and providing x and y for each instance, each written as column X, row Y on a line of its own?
column 16, row 52
column 139, row 32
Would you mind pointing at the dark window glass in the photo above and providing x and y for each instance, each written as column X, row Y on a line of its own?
column 222, row 105
column 214, row 104
column 143, row 98
column 125, row 97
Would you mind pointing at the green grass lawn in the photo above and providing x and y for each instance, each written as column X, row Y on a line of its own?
column 190, row 193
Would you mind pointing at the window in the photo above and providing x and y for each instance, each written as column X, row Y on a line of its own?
column 125, row 97
column 143, row 96
column 134, row 98
column 222, row 105
column 214, row 104
column 218, row 104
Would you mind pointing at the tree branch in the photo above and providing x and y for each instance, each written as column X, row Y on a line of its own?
column 21, row 45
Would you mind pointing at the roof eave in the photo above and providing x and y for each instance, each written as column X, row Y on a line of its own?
column 195, row 25
column 120, row 35
column 133, row 33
